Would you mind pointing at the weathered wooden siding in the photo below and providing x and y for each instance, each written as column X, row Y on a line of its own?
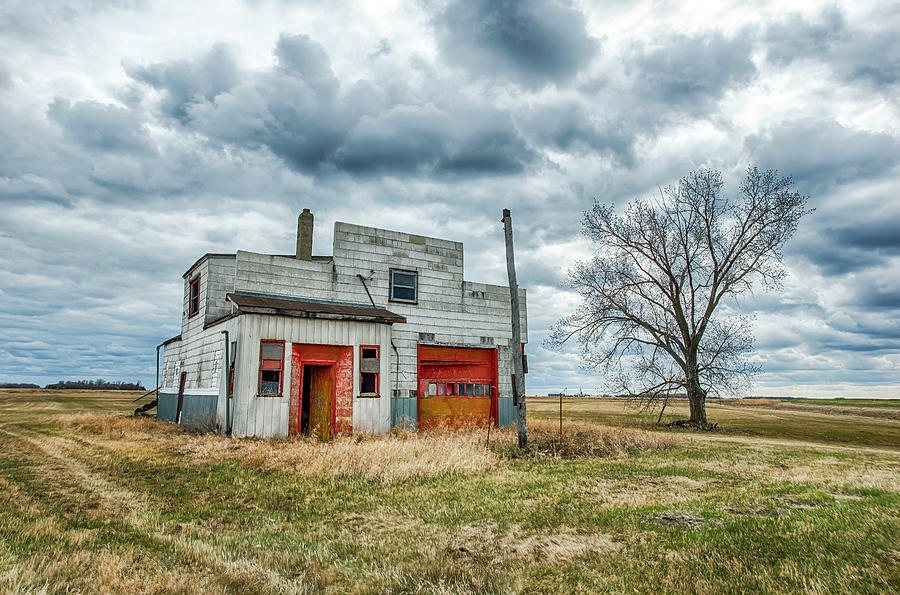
column 269, row 416
column 450, row 312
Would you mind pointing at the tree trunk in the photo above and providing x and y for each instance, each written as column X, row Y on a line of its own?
column 697, row 400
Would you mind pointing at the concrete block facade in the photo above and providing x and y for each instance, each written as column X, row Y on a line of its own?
column 448, row 311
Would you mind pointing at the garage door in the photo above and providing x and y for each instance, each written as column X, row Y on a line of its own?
column 457, row 385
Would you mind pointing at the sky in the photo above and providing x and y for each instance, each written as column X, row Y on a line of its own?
column 136, row 136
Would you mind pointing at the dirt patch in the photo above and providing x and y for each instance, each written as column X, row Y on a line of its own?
column 484, row 540
column 683, row 519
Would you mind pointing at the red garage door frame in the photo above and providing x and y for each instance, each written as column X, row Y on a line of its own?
column 450, row 371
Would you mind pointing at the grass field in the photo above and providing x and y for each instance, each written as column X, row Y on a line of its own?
column 777, row 501
column 893, row 403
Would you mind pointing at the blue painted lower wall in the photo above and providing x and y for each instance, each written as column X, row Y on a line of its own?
column 507, row 415
column 404, row 412
column 198, row 412
column 167, row 406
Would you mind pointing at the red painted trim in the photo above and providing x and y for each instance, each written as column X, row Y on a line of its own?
column 377, row 392
column 471, row 362
column 391, row 286
column 195, row 282
column 281, row 369
column 340, row 358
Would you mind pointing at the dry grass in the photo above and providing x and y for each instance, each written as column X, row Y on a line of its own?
column 585, row 439
column 485, row 539
column 108, row 503
column 398, row 455
column 389, row 457
column 120, row 426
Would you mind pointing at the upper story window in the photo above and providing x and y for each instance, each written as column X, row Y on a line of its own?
column 404, row 286
column 194, row 302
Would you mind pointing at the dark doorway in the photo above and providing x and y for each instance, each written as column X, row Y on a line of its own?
column 316, row 403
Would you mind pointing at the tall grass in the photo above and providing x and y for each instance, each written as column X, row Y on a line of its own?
column 397, row 455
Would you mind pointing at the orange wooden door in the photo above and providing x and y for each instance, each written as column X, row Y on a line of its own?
column 321, row 399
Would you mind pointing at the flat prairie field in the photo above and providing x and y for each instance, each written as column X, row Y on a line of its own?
column 782, row 498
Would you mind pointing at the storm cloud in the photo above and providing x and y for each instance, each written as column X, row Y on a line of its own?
column 132, row 145
column 533, row 43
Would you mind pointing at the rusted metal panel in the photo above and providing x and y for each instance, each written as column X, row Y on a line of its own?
column 453, row 410
column 455, row 385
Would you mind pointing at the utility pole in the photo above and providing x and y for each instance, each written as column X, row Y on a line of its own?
column 515, row 344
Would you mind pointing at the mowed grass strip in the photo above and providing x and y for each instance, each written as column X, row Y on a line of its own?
column 103, row 503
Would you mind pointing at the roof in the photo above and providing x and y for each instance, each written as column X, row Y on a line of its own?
column 309, row 309
column 172, row 340
column 209, row 255
column 204, row 257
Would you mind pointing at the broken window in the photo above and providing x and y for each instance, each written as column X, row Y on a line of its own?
column 194, row 302
column 271, row 368
column 404, row 286
column 369, row 369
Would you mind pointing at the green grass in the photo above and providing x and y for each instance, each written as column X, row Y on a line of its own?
column 794, row 423
column 128, row 508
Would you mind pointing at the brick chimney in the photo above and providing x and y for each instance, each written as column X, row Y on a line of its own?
column 304, row 235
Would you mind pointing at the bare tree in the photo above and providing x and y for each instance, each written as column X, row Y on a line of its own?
column 655, row 312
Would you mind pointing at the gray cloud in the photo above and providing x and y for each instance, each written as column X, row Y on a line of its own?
column 113, row 188
column 102, row 127
column 534, row 42
column 867, row 53
column 821, row 153
column 796, row 37
column 300, row 56
column 190, row 81
column 569, row 126
column 691, row 73
column 298, row 112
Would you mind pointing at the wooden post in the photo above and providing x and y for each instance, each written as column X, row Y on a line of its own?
column 515, row 344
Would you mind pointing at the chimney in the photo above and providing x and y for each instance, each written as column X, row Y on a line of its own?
column 304, row 235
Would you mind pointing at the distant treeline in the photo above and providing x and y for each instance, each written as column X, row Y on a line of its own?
column 98, row 384
column 18, row 385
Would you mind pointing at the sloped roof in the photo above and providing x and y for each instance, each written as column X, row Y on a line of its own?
column 253, row 304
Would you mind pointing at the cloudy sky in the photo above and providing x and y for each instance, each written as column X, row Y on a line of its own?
column 136, row 136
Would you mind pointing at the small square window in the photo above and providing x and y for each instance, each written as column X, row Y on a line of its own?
column 404, row 286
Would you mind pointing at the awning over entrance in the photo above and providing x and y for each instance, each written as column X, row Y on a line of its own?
column 309, row 309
